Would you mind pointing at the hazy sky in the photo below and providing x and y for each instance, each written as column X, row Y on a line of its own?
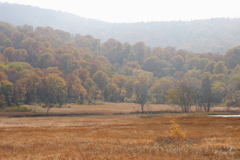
column 145, row 10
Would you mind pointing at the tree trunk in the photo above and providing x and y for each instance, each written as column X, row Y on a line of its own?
column 142, row 105
column 48, row 110
column 208, row 107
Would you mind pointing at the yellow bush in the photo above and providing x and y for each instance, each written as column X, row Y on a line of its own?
column 176, row 132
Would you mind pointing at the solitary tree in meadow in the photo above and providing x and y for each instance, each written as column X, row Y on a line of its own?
column 182, row 95
column 141, row 88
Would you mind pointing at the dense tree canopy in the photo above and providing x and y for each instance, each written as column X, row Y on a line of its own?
column 53, row 66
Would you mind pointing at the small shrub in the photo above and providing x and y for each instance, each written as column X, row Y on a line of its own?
column 130, row 100
column 176, row 135
column 91, row 102
column 80, row 102
column 237, row 155
column 176, row 132
column 127, row 100
column 100, row 103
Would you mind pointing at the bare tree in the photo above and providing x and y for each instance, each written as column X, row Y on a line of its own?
column 141, row 88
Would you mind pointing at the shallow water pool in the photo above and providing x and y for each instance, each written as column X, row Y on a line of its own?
column 225, row 115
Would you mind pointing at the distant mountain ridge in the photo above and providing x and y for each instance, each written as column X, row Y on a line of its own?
column 212, row 35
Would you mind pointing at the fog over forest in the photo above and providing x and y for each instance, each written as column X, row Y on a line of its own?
column 211, row 35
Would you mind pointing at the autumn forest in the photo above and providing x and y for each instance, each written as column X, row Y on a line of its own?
column 78, row 88
column 51, row 66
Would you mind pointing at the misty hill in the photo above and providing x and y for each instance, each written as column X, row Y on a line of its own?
column 213, row 35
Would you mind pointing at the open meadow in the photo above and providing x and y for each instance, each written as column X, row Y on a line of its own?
column 118, row 136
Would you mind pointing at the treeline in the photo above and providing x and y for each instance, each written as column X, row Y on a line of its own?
column 53, row 66
column 212, row 35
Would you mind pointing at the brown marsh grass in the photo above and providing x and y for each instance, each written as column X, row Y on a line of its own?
column 120, row 137
column 113, row 108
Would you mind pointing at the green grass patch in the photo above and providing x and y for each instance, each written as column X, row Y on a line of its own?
column 17, row 109
column 211, row 113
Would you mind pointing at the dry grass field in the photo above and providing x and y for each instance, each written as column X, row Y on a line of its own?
column 126, row 136
column 114, row 108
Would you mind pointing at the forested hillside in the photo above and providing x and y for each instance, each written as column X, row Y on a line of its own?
column 53, row 66
column 213, row 35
